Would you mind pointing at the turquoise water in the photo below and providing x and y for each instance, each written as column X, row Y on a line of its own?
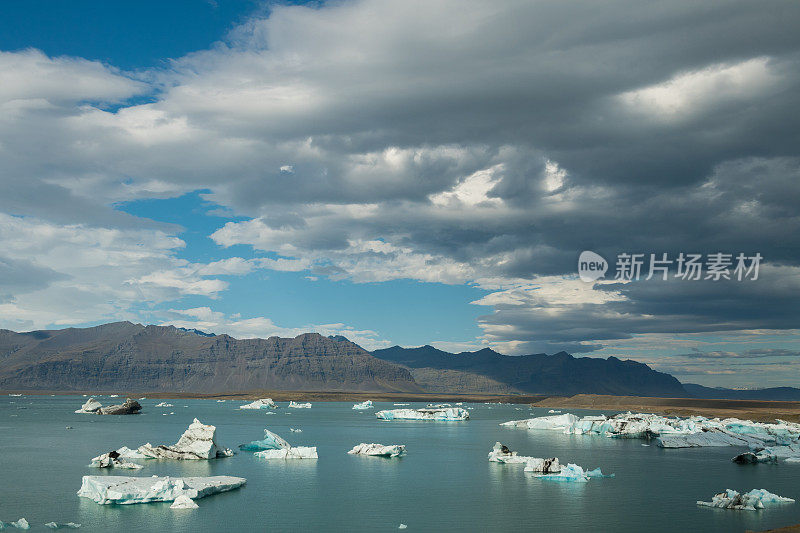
column 444, row 483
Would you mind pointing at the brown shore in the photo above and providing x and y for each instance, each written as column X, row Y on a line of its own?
column 765, row 411
column 757, row 410
column 306, row 396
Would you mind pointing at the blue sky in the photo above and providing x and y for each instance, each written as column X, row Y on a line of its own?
column 358, row 168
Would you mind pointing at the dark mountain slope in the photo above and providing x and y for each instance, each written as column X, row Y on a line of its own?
column 126, row 356
column 560, row 374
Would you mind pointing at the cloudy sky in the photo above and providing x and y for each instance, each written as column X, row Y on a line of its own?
column 408, row 173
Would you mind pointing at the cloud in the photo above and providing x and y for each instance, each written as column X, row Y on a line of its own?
column 449, row 142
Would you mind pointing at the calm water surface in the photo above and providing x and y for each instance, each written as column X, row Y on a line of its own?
column 444, row 483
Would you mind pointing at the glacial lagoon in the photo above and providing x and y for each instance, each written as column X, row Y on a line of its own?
column 444, row 482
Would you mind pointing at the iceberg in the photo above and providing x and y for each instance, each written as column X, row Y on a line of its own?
column 439, row 414
column 183, row 502
column 363, row 405
column 197, row 442
column 571, row 473
column 294, row 452
column 749, row 501
column 501, row 454
column 19, row 524
column 557, row 422
column 300, row 405
column 263, row 403
column 164, row 404
column 130, row 407
column 271, row 441
column 543, row 466
column 295, row 430
column 379, row 450
column 113, row 459
column 91, row 406
column 755, row 457
column 67, row 525
column 597, row 473
column 124, row 490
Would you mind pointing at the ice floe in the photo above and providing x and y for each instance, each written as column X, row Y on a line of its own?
column 19, row 524
column 502, row 454
column 295, row 430
column 271, row 441
column 66, row 525
column 130, row 407
column 183, row 502
column 91, row 406
column 197, row 442
column 380, row 450
column 439, row 414
column 749, row 501
column 128, row 490
column 113, row 459
column 299, row 405
column 694, row 431
column 363, row 405
column 164, row 404
column 572, row 473
column 263, row 403
column 294, row 452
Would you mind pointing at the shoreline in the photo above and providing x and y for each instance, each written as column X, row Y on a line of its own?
column 305, row 396
column 756, row 410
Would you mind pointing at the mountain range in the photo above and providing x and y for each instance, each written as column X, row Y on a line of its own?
column 123, row 356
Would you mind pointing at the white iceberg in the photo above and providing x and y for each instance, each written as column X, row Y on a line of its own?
column 557, row 422
column 164, row 404
column 263, row 403
column 439, row 414
column 271, row 441
column 597, row 473
column 749, row 501
column 571, row 473
column 401, row 404
column 67, row 525
column 197, row 442
column 379, row 450
column 501, row 454
column 91, row 406
column 113, row 459
column 19, row 524
column 295, row 430
column 128, row 490
column 183, row 502
column 294, row 452
column 363, row 405
column 299, row 405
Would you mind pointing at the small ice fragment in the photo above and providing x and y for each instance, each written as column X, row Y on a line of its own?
column 363, row 405
column 183, row 502
column 379, row 450
column 440, row 414
column 271, row 441
column 263, row 403
column 295, row 430
column 299, row 405
column 68, row 525
column 402, row 526
column 295, row 452
column 164, row 404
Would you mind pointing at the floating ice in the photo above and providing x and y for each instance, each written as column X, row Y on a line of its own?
column 67, row 525
column 695, row 431
column 271, row 441
column 91, row 406
column 363, row 405
column 300, row 405
column 128, row 490
column 501, row 454
column 294, row 452
column 114, row 396
column 439, row 414
column 197, row 442
column 19, row 524
column 164, row 404
column 571, row 472
column 380, row 450
column 263, row 403
column 749, row 501
column 597, row 473
column 552, row 411
column 183, row 502
column 755, row 457
column 295, row 430
column 401, row 404
column 130, row 407
column 113, row 459
column 402, row 526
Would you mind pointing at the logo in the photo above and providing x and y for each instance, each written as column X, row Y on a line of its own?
column 591, row 266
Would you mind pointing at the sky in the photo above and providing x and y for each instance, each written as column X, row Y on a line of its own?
column 410, row 173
